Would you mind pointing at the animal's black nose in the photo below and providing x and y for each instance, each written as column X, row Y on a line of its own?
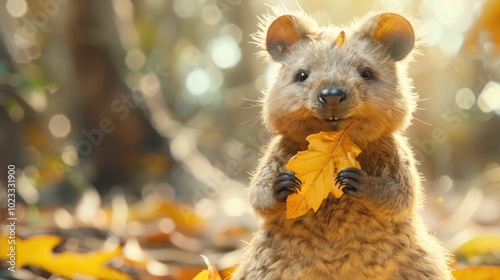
column 332, row 97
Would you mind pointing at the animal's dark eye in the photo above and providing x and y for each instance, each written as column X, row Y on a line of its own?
column 367, row 74
column 302, row 76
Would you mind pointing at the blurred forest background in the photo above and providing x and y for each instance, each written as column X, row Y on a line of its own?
column 134, row 124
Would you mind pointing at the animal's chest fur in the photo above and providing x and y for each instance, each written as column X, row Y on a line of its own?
column 342, row 239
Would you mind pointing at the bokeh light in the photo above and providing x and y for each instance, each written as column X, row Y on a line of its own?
column 28, row 179
column 224, row 52
column 198, row 81
column 185, row 8
column 166, row 225
column 16, row 8
column 59, row 126
column 37, row 100
column 157, row 268
column 211, row 14
column 16, row 113
column 135, row 59
column 235, row 207
column 444, row 183
column 63, row 218
column 450, row 42
column 232, row 30
column 70, row 156
column 465, row 98
column 489, row 99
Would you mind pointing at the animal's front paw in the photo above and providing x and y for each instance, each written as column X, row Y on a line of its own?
column 285, row 184
column 352, row 180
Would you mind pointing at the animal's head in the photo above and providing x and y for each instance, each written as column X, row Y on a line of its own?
column 333, row 76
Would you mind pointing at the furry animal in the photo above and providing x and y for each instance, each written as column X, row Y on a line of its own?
column 330, row 77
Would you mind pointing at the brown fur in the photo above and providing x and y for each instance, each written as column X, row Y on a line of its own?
column 377, row 234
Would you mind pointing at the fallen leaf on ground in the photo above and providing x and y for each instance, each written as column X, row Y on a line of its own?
column 479, row 245
column 152, row 208
column 481, row 272
column 317, row 167
column 208, row 274
column 38, row 251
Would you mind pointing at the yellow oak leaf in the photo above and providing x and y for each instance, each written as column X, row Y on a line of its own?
column 317, row 167
column 37, row 251
column 208, row 274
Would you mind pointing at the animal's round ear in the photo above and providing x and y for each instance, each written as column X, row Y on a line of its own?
column 393, row 31
column 282, row 35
